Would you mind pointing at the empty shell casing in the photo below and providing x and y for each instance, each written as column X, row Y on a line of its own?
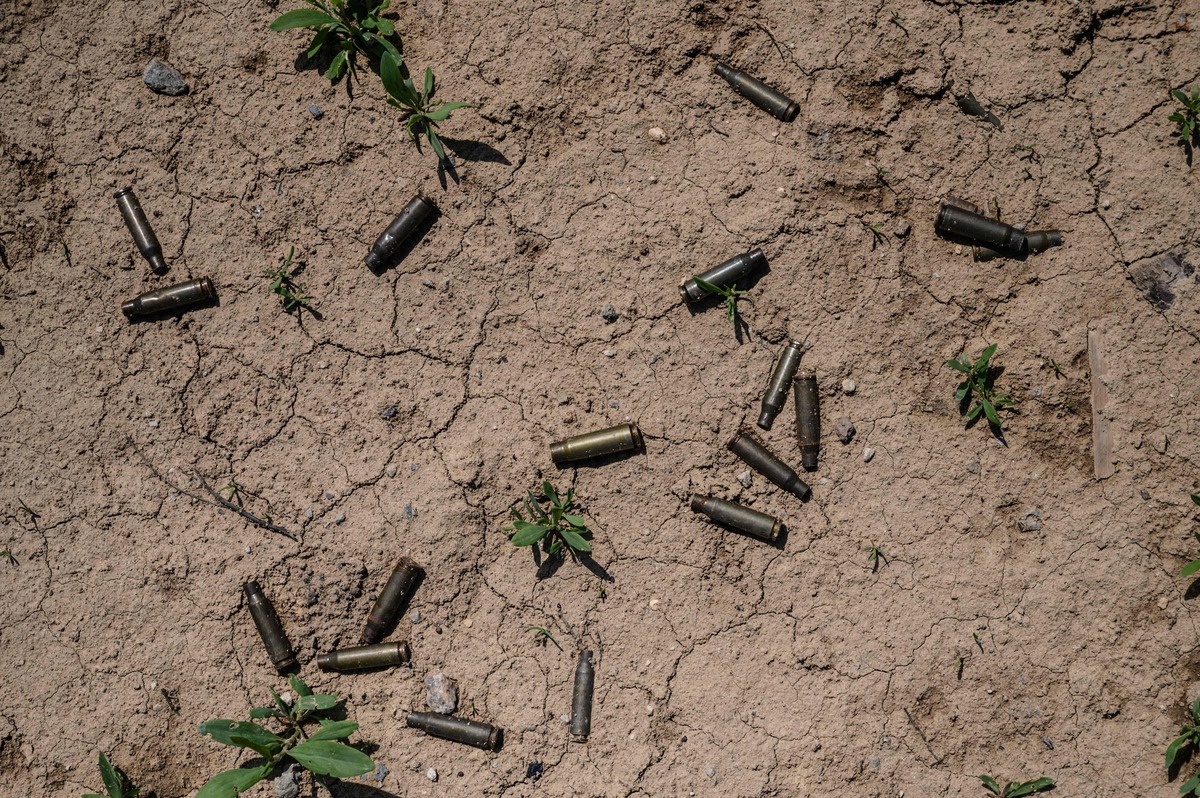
column 758, row 457
column 279, row 648
column 448, row 727
column 621, row 438
column 957, row 221
column 140, row 229
column 379, row 655
column 392, row 600
column 808, row 418
column 402, row 228
column 752, row 522
column 725, row 274
column 1042, row 240
column 581, row 698
column 777, row 386
column 774, row 102
column 172, row 297
column 1038, row 240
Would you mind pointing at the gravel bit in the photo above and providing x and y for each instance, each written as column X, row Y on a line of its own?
column 849, row 387
column 903, row 229
column 845, row 429
column 609, row 314
column 441, row 693
column 868, row 454
column 163, row 79
column 431, row 774
column 745, row 478
column 316, row 111
column 285, row 784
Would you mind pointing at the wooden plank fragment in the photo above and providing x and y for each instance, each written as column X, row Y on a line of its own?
column 1102, row 444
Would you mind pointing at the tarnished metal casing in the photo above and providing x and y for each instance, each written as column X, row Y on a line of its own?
column 392, row 600
column 378, row 655
column 621, row 438
column 1038, row 240
column 140, row 229
column 752, row 522
column 468, row 732
column 581, row 698
column 724, row 274
column 758, row 457
column 774, row 102
column 956, row 221
column 402, row 228
column 173, row 297
column 780, row 383
column 279, row 648
column 808, row 418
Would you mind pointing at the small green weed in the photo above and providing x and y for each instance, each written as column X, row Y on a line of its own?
column 33, row 516
column 978, row 384
column 115, row 783
column 1188, row 741
column 551, row 522
column 877, row 235
column 352, row 27
column 1016, row 789
column 283, row 284
column 875, row 557
column 318, row 751
column 730, row 295
column 421, row 110
column 1059, row 373
column 541, row 636
column 1193, row 566
column 1187, row 118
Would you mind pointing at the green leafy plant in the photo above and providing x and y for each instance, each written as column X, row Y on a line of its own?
column 1193, row 566
column 1188, row 741
column 730, row 294
column 1188, row 117
column 422, row 111
column 877, row 235
column 898, row 20
column 978, row 384
column 284, row 284
column 875, row 557
column 352, row 27
column 115, row 783
column 542, row 635
column 319, row 750
column 551, row 521
column 1017, row 789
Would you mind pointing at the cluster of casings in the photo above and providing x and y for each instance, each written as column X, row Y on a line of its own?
column 201, row 290
column 381, row 621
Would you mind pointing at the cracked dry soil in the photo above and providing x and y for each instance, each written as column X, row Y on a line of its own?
column 779, row 671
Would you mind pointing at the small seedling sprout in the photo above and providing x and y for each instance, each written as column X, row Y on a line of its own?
column 877, row 235
column 541, row 635
column 1187, row 118
column 1193, row 566
column 352, row 27
column 875, row 557
column 283, row 284
column 1016, row 789
column 730, row 295
column 115, row 783
column 551, row 521
column 422, row 112
column 978, row 384
column 1186, row 745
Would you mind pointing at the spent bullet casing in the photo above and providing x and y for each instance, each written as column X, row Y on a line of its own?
column 758, row 457
column 279, row 648
column 581, row 698
column 808, row 418
column 392, row 600
column 956, row 221
column 752, row 522
column 1038, row 240
column 378, row 655
column 140, row 229
column 402, row 228
column 779, row 383
column 173, row 297
column 448, row 727
column 621, row 438
column 774, row 102
column 725, row 274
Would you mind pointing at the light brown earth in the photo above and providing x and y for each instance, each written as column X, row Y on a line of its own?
column 781, row 671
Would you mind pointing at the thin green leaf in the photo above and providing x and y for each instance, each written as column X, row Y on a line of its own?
column 550, row 492
column 299, row 686
column 385, row 26
column 263, row 712
column 435, row 142
column 1028, row 788
column 302, row 18
column 393, row 80
column 223, row 731
column 318, row 42
column 232, row 783
column 1180, row 95
column 111, row 778
column 1174, row 748
column 1196, row 718
column 574, row 539
column 985, row 358
column 336, row 66
column 1190, row 568
column 330, row 758
column 705, row 285
column 553, row 544
column 1196, row 499
column 334, row 730
column 575, row 520
column 961, row 393
column 974, row 413
column 992, row 417
column 284, row 708
column 528, row 534
column 266, row 752
column 1190, row 786
column 958, row 366
column 310, row 703
column 428, row 83
column 990, row 783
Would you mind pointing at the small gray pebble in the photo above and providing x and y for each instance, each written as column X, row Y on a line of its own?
column 415, row 617
column 380, row 772
column 308, row 513
column 316, row 111
column 391, row 471
column 849, row 387
column 311, row 598
column 868, row 454
column 412, row 467
column 614, row 404
column 1047, row 742
column 340, row 519
column 388, row 414
column 1145, row 495
column 428, row 283
column 609, row 314
column 446, row 284
column 431, row 774
column 711, row 772
column 372, row 597
column 329, row 496
column 1032, row 521
column 409, row 512
column 609, row 353
column 441, row 693
column 416, row 766
column 745, row 478
column 163, row 79
column 153, row 425
column 247, row 550
column 973, row 467
column 845, row 429
column 285, row 785
column 903, row 229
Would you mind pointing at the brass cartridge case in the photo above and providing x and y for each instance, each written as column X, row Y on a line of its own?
column 279, row 648
column 953, row 220
column 758, row 457
column 581, row 698
column 140, row 229
column 393, row 600
column 724, row 274
column 744, row 519
column 808, row 418
column 780, row 382
column 448, row 727
column 621, row 438
column 774, row 102
column 379, row 655
column 402, row 228
column 173, row 297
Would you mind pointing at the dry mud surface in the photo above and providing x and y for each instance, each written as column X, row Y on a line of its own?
column 725, row 666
